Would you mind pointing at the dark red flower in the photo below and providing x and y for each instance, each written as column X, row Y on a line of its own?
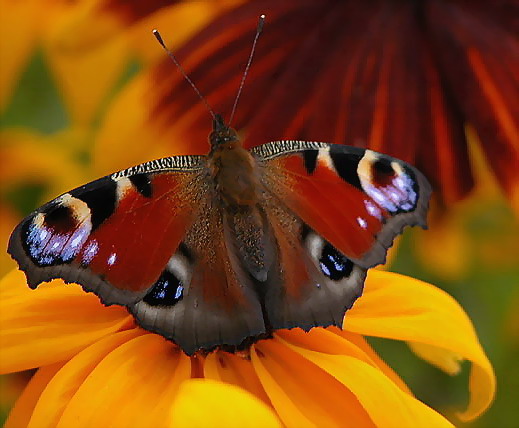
column 402, row 77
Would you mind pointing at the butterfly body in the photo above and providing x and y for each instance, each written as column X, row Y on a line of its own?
column 222, row 249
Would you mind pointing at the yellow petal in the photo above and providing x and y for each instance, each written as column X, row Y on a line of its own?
column 398, row 307
column 210, row 403
column 359, row 341
column 65, row 383
column 231, row 368
column 51, row 324
column 22, row 410
column 445, row 360
column 134, row 385
column 51, row 162
column 386, row 404
column 336, row 342
column 302, row 393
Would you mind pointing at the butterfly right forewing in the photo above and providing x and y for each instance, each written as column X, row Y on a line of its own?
column 357, row 199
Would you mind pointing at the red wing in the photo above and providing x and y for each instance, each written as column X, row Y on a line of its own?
column 115, row 235
column 358, row 200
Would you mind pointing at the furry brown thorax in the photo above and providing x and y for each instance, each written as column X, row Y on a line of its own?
column 232, row 167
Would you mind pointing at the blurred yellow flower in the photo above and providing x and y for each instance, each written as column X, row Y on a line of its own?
column 95, row 365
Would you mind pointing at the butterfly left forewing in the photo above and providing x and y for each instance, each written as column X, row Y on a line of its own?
column 114, row 235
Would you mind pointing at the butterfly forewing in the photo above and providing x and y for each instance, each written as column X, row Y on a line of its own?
column 358, row 200
column 115, row 235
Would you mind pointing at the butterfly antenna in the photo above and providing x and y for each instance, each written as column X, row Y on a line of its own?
column 174, row 59
column 259, row 29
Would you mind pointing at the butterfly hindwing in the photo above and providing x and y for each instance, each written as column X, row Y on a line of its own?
column 357, row 199
column 113, row 236
column 311, row 284
column 205, row 297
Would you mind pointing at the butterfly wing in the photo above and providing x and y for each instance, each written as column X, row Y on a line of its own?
column 311, row 284
column 115, row 235
column 151, row 238
column 334, row 210
column 357, row 199
column 204, row 297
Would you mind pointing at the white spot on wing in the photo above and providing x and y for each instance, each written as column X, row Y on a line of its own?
column 373, row 209
column 362, row 223
column 123, row 186
column 179, row 266
column 111, row 259
column 314, row 244
column 323, row 156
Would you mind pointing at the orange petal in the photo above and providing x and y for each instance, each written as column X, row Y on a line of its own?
column 134, row 385
column 398, row 307
column 204, row 402
column 386, row 404
column 302, row 393
column 232, row 368
column 371, row 355
column 78, row 45
column 51, row 324
column 65, row 383
column 18, row 35
column 335, row 342
column 8, row 221
column 22, row 410
column 51, row 162
column 126, row 136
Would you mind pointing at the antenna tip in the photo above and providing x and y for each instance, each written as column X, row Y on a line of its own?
column 261, row 21
column 158, row 36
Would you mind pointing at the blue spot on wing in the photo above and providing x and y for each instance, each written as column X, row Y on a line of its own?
column 167, row 291
column 334, row 264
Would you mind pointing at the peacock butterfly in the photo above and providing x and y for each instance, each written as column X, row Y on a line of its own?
column 219, row 250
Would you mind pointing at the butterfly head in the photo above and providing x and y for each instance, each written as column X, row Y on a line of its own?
column 222, row 135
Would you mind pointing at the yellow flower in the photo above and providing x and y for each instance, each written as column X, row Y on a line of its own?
column 97, row 368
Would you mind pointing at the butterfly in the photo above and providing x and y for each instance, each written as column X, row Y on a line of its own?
column 223, row 249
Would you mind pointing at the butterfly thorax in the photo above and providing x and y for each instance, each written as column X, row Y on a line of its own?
column 237, row 185
column 232, row 167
